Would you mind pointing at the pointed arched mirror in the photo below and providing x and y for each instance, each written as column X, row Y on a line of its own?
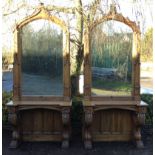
column 111, row 59
column 42, row 59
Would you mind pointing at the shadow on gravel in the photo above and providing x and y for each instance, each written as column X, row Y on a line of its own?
column 77, row 148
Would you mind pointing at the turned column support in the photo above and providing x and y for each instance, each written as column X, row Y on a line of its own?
column 88, row 118
column 66, row 127
column 13, row 119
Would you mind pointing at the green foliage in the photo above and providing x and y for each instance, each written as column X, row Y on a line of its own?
column 42, row 64
column 6, row 97
column 114, row 85
column 148, row 98
column 77, row 109
column 112, row 88
column 147, row 46
column 5, row 61
column 6, row 58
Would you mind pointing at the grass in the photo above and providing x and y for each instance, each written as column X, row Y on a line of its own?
column 101, row 87
column 109, row 93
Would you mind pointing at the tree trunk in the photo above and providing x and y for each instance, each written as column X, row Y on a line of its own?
column 78, row 48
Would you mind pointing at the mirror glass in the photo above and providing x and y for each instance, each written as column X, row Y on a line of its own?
column 42, row 59
column 111, row 59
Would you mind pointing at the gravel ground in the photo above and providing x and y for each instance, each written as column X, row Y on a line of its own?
column 77, row 148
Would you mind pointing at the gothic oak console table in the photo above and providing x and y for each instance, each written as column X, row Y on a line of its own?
column 112, row 118
column 40, row 118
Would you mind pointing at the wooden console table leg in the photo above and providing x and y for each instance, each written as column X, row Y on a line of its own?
column 139, row 120
column 66, row 127
column 88, row 117
column 13, row 119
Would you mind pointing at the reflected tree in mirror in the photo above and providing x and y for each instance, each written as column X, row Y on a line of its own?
column 111, row 46
column 42, row 59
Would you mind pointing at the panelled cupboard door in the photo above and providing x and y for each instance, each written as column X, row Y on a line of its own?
column 43, row 121
column 112, row 122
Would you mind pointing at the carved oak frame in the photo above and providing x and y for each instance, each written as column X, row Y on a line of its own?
column 135, row 58
column 41, row 13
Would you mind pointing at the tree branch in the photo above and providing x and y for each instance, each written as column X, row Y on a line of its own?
column 93, row 8
column 61, row 9
column 17, row 9
column 70, row 10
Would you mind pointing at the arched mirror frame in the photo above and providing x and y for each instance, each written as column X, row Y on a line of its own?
column 41, row 13
column 112, row 15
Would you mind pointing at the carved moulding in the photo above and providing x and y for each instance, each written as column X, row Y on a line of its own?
column 13, row 119
column 87, row 122
column 139, row 121
column 66, row 127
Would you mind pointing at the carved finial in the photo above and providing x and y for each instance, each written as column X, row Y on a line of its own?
column 113, row 9
column 88, row 18
column 41, row 4
column 139, row 24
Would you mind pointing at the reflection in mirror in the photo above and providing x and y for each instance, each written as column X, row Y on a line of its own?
column 42, row 59
column 111, row 46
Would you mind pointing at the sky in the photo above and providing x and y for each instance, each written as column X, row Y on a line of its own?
column 126, row 7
